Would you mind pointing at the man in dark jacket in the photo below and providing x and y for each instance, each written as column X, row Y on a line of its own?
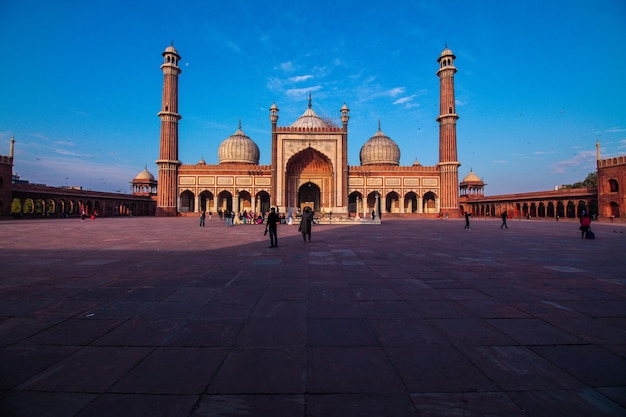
column 272, row 220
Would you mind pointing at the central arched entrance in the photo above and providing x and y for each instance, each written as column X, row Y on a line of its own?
column 309, row 181
column 309, row 195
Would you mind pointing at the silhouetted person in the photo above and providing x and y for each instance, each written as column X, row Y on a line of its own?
column 504, row 216
column 305, row 224
column 467, row 216
column 272, row 220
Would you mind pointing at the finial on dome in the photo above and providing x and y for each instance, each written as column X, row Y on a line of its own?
column 239, row 124
column 379, row 125
column 310, row 98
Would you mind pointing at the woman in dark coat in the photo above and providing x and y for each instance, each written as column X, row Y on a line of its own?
column 305, row 223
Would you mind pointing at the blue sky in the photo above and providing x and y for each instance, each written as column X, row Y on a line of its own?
column 537, row 83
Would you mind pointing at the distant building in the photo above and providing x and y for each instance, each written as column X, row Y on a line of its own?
column 608, row 200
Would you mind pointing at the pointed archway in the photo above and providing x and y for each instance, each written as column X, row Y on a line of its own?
column 309, row 175
column 309, row 195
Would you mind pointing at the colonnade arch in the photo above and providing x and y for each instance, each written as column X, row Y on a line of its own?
column 45, row 205
column 562, row 208
column 239, row 201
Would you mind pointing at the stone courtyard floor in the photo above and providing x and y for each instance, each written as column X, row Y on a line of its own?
column 159, row 317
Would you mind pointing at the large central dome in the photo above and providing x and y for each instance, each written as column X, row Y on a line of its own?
column 380, row 150
column 310, row 119
column 238, row 148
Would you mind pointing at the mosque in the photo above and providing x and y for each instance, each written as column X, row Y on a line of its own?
column 309, row 165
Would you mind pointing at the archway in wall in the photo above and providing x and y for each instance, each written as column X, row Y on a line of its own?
column 410, row 202
column 245, row 201
column 392, row 203
column 186, row 202
column 593, row 208
column 560, row 209
column 206, row 201
column 309, row 168
column 541, row 211
column 430, row 203
column 309, row 195
column 16, row 206
column 614, row 209
column 355, row 204
column 525, row 210
column 225, row 201
column 582, row 206
column 613, row 186
column 533, row 210
column 50, row 207
column 571, row 210
column 262, row 202
column 373, row 202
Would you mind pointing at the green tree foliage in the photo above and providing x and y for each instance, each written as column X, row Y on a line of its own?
column 29, row 206
column 589, row 182
column 16, row 206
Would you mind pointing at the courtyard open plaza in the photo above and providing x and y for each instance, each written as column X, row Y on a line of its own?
column 160, row 317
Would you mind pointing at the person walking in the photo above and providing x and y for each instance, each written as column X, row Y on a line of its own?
column 305, row 224
column 504, row 217
column 272, row 221
column 467, row 216
column 585, row 224
column 202, row 217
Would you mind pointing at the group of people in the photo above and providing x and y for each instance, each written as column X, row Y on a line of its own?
column 273, row 219
column 585, row 223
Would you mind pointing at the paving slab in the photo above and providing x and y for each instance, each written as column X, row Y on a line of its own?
column 159, row 317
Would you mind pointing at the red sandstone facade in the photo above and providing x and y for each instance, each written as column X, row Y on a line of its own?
column 611, row 183
column 309, row 165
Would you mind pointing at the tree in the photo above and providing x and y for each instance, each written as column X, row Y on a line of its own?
column 589, row 182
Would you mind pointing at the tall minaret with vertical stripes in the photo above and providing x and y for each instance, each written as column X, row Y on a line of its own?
column 167, row 193
column 448, row 163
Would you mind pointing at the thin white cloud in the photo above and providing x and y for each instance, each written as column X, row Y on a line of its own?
column 67, row 153
column 404, row 100
column 615, row 130
column 40, row 136
column 286, row 66
column 300, row 92
column 300, row 78
column 584, row 158
column 395, row 91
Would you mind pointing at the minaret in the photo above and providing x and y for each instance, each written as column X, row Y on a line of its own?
column 12, row 148
column 345, row 116
column 448, row 164
column 168, row 156
column 274, row 188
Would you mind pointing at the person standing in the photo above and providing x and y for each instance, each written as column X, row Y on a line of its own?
column 202, row 217
column 504, row 217
column 272, row 221
column 305, row 224
column 467, row 216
